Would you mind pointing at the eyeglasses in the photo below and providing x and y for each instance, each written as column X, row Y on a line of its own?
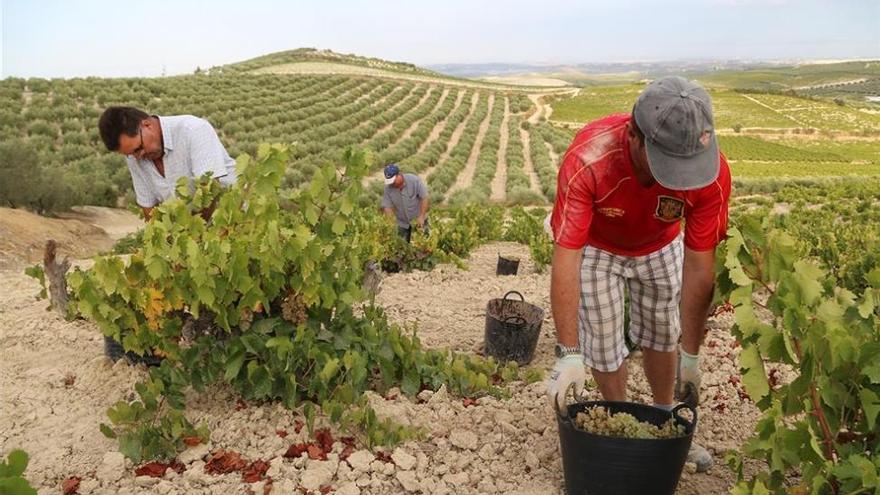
column 140, row 149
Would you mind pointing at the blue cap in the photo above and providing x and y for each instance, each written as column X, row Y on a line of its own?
column 391, row 171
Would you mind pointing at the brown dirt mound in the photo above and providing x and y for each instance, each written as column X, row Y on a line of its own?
column 80, row 233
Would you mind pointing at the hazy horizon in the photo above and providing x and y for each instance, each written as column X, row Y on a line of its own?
column 53, row 38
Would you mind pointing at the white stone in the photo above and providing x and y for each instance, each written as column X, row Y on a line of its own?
column 408, row 480
column 531, row 460
column 363, row 481
column 193, row 454
column 284, row 487
column 439, row 397
column 360, row 460
column 164, row 487
column 487, row 452
column 87, row 486
column 112, row 466
column 145, row 480
column 458, row 480
column 317, row 474
column 403, row 459
column 349, row 488
column 463, row 439
column 275, row 468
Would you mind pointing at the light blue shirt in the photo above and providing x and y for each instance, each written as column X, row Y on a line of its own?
column 192, row 148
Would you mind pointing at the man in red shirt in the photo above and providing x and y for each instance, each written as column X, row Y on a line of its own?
column 624, row 186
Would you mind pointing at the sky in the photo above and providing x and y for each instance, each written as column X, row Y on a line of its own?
column 78, row 38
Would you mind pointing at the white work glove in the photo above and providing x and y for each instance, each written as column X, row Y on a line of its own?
column 687, row 386
column 568, row 372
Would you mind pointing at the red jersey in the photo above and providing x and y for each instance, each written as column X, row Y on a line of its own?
column 599, row 201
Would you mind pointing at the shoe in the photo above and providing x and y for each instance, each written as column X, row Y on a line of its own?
column 701, row 457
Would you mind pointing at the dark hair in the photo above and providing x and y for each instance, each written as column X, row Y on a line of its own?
column 635, row 127
column 117, row 120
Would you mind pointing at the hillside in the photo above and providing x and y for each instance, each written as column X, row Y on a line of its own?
column 301, row 55
column 471, row 140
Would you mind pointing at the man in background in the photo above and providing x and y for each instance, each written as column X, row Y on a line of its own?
column 405, row 199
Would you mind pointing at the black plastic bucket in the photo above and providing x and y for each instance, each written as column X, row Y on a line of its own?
column 115, row 351
column 512, row 329
column 602, row 465
column 507, row 266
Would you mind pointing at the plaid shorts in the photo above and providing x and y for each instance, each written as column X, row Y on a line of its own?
column 654, row 285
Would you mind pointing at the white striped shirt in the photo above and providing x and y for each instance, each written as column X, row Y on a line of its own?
column 192, row 148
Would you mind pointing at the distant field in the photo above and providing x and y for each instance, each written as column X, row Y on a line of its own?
column 732, row 109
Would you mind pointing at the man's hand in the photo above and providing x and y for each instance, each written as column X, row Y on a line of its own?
column 568, row 372
column 687, row 384
column 421, row 221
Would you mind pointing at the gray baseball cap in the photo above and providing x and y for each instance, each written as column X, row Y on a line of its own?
column 675, row 115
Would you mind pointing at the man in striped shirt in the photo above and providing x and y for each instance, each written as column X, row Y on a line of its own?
column 160, row 150
column 624, row 186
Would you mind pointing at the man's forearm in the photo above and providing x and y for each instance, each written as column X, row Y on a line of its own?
column 565, row 294
column 698, row 283
column 423, row 208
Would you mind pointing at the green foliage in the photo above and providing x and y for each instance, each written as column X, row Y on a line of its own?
column 823, row 425
column 27, row 183
column 36, row 272
column 277, row 276
column 12, row 481
column 130, row 243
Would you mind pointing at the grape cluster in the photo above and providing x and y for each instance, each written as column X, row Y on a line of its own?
column 599, row 421
column 293, row 309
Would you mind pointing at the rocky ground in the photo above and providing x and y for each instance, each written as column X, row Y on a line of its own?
column 55, row 386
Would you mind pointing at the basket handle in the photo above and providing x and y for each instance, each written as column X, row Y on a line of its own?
column 681, row 406
column 521, row 298
column 517, row 320
column 583, row 397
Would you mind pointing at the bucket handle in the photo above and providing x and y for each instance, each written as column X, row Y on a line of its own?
column 517, row 320
column 521, row 298
column 685, row 406
column 565, row 417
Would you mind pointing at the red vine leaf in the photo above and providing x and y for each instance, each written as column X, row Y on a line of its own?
column 254, row 471
column 296, row 450
column 153, row 469
column 316, row 453
column 324, row 439
column 192, row 441
column 70, row 485
column 225, row 461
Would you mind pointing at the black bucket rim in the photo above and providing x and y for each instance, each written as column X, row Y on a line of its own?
column 690, row 426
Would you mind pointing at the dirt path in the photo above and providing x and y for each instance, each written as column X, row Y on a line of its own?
column 398, row 103
column 378, row 175
column 466, row 176
column 415, row 125
column 507, row 446
column 438, row 128
column 528, row 165
column 768, row 107
column 454, row 138
column 544, row 109
column 554, row 157
column 499, row 182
